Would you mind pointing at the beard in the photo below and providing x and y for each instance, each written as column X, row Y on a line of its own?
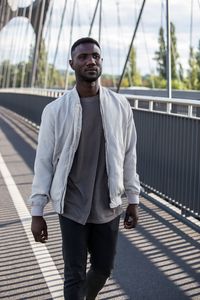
column 90, row 76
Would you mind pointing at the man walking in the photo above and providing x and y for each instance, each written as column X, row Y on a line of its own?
column 85, row 161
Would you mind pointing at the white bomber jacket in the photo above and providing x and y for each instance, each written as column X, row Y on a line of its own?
column 58, row 141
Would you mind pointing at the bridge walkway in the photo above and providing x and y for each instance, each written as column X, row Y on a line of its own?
column 160, row 259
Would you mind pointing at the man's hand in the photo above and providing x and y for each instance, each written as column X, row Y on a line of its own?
column 131, row 216
column 39, row 229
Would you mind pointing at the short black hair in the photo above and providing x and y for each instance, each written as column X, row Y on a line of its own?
column 84, row 41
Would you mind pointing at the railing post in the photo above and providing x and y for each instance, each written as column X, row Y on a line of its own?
column 169, row 107
column 190, row 110
column 151, row 105
column 136, row 104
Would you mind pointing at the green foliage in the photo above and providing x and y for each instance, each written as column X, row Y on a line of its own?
column 125, row 82
column 134, row 72
column 7, row 73
column 41, row 66
column 198, row 65
column 193, row 71
column 108, row 80
column 160, row 55
column 174, row 52
column 160, row 83
column 132, row 76
column 178, row 85
column 19, row 75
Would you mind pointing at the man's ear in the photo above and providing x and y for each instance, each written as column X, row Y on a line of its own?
column 71, row 64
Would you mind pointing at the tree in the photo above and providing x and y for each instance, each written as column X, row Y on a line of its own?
column 174, row 52
column 7, row 74
column 160, row 55
column 56, row 78
column 198, row 65
column 181, row 72
column 19, row 74
column 193, row 70
column 132, row 74
column 41, row 65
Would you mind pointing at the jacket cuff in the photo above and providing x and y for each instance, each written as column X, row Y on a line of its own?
column 37, row 211
column 133, row 199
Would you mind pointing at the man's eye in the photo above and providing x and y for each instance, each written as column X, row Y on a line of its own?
column 83, row 56
column 96, row 56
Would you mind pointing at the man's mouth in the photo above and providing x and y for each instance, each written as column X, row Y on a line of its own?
column 91, row 70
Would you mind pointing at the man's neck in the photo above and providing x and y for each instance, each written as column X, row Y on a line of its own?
column 87, row 89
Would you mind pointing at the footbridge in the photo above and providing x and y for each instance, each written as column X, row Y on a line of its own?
column 160, row 259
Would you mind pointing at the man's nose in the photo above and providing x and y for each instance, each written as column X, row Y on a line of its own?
column 91, row 60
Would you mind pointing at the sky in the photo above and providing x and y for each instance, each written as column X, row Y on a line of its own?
column 118, row 24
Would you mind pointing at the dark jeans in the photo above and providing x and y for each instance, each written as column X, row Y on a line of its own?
column 97, row 239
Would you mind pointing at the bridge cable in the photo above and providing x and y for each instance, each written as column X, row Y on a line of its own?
column 191, row 22
column 49, row 28
column 191, row 31
column 19, row 51
column 118, row 46
column 70, row 42
column 79, row 18
column 4, row 63
column 14, row 52
column 198, row 3
column 131, row 44
column 161, row 14
column 48, row 23
column 58, row 41
column 148, row 57
column 94, row 15
column 7, row 64
column 100, row 18
column 121, row 35
column 109, row 53
column 34, row 50
column 37, row 43
column 26, row 34
column 2, row 38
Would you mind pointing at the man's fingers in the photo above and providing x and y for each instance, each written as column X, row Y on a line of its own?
column 41, row 238
column 39, row 229
column 130, row 223
column 45, row 233
column 131, row 216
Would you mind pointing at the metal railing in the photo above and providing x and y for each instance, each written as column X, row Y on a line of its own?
column 189, row 108
column 168, row 157
column 185, row 107
column 168, row 141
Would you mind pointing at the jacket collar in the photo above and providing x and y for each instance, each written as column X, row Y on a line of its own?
column 76, row 98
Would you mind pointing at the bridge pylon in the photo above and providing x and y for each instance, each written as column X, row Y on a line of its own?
column 37, row 18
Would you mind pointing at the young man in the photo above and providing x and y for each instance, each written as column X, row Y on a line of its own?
column 85, row 161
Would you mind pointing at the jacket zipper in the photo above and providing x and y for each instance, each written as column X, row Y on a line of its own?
column 106, row 139
column 74, row 148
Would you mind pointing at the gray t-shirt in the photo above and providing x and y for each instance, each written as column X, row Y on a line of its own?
column 87, row 194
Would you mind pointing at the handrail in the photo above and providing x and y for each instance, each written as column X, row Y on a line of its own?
column 181, row 107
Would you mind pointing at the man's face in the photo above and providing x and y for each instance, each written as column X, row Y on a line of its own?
column 87, row 62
